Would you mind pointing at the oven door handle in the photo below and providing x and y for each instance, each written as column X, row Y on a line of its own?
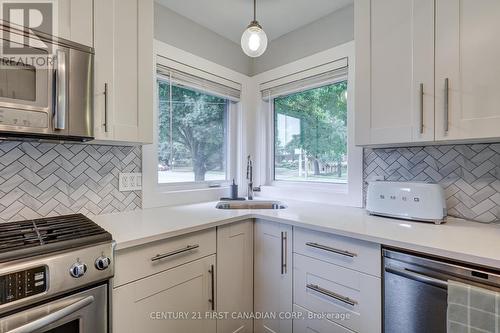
column 53, row 317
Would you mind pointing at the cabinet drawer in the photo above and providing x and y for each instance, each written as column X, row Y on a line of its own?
column 141, row 261
column 353, row 296
column 188, row 289
column 344, row 251
column 311, row 324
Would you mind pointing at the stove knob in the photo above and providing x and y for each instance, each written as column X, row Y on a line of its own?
column 102, row 263
column 78, row 269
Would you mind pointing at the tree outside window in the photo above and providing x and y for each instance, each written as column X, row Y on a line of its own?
column 311, row 135
column 192, row 136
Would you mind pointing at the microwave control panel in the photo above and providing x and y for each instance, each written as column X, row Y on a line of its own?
column 22, row 284
column 24, row 118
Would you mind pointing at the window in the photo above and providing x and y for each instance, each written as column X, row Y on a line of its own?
column 310, row 135
column 193, row 127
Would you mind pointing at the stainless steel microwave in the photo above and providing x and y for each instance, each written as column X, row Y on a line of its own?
column 46, row 86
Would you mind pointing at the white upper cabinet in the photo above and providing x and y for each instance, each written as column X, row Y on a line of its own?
column 426, row 71
column 75, row 21
column 467, row 57
column 123, row 41
column 394, row 71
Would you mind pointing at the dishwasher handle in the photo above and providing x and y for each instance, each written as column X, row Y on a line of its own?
column 417, row 277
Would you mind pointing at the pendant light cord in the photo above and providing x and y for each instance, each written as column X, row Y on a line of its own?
column 254, row 10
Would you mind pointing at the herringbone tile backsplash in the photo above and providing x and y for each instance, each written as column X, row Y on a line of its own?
column 47, row 179
column 469, row 174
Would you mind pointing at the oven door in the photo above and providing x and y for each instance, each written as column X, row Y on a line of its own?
column 26, row 85
column 84, row 312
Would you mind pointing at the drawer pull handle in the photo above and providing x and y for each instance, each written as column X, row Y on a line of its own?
column 331, row 294
column 331, row 249
column 174, row 252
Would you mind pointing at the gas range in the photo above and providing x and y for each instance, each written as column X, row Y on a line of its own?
column 46, row 261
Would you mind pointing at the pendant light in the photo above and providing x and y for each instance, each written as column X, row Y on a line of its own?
column 254, row 39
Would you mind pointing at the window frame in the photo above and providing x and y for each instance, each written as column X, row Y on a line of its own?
column 229, row 149
column 349, row 194
column 272, row 162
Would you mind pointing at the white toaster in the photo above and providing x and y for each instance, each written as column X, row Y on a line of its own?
column 412, row 201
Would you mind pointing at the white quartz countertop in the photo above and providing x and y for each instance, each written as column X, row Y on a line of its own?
column 457, row 239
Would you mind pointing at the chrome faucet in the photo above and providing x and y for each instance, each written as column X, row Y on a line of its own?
column 249, row 179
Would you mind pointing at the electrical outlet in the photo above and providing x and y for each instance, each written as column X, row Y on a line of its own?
column 130, row 181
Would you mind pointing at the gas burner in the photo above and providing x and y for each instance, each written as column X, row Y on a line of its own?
column 40, row 236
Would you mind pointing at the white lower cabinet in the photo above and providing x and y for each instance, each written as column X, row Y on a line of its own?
column 235, row 276
column 145, row 305
column 352, row 298
column 310, row 322
column 273, row 276
column 292, row 279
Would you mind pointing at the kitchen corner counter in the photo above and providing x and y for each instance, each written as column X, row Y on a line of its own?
column 457, row 239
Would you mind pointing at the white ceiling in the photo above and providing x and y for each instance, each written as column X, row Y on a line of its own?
column 229, row 18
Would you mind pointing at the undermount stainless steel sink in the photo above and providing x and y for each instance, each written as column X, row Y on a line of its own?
column 251, row 204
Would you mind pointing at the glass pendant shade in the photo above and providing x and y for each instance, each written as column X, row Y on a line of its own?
column 254, row 40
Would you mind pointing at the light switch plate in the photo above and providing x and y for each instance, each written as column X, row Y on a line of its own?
column 130, row 181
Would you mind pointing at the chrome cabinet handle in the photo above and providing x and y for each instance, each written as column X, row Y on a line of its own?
column 417, row 277
column 212, row 284
column 106, row 126
column 284, row 249
column 60, row 91
column 446, row 104
column 331, row 294
column 174, row 252
column 331, row 249
column 53, row 317
column 421, row 108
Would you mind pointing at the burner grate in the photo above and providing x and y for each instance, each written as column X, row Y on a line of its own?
column 33, row 237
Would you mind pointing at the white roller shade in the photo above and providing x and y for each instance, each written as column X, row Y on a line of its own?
column 204, row 83
column 314, row 77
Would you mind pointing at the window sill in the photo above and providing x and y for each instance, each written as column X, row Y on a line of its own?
column 166, row 189
column 311, row 186
column 321, row 193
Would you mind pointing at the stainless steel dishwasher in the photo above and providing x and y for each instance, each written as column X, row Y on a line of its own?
column 415, row 290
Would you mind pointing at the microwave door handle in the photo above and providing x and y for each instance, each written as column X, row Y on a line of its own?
column 60, row 92
column 53, row 317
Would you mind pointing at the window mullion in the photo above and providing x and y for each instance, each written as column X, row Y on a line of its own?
column 171, row 120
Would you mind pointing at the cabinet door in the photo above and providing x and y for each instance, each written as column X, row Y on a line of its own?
column 272, row 275
column 75, row 20
column 154, row 304
column 126, row 117
column 394, row 71
column 103, row 73
column 467, row 54
column 124, row 65
column 235, row 275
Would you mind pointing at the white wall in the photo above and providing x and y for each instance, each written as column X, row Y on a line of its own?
column 187, row 35
column 334, row 29
column 198, row 47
